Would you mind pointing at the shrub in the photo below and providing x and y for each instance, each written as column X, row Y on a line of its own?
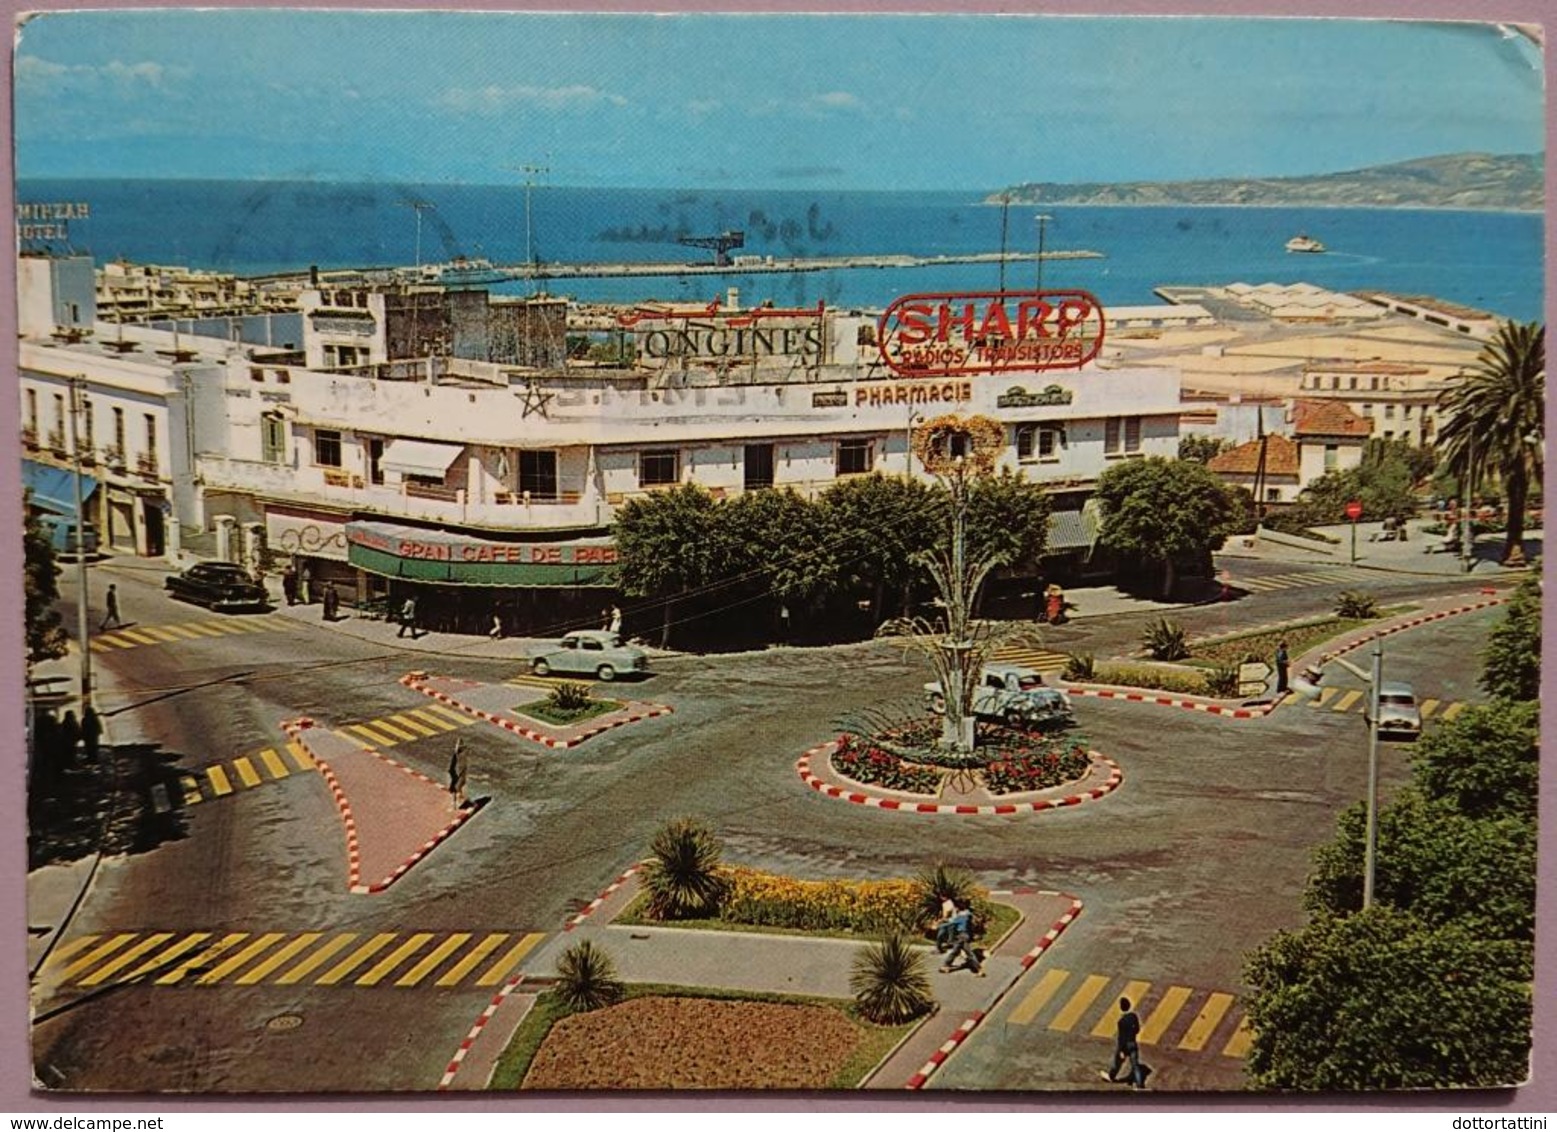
column 1079, row 665
column 1223, row 680
column 569, row 696
column 1165, row 640
column 1356, row 605
column 1186, row 680
column 586, row 978
column 889, row 982
column 939, row 882
column 683, row 879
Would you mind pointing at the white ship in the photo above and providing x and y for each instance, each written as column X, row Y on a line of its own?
column 1302, row 243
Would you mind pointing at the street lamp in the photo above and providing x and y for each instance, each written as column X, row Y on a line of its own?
column 1043, row 221
column 908, row 442
column 83, row 618
column 1307, row 686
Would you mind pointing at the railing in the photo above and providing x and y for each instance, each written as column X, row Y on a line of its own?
column 30, row 437
column 114, row 457
column 146, row 466
column 526, row 498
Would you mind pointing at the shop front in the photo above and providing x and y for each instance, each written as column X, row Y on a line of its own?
column 462, row 583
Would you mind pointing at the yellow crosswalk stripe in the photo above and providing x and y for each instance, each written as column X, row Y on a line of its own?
column 349, row 964
column 115, row 641
column 1452, row 710
column 228, row 966
column 166, row 956
column 431, row 720
column 219, row 628
column 245, row 771
column 98, row 646
column 201, row 630
column 460, row 718
column 243, row 627
column 300, row 757
column 180, row 632
column 317, row 958
column 1162, row 1017
column 160, row 633
column 1038, row 997
column 363, row 731
column 1325, row 695
column 139, row 637
column 400, row 733
column 1427, row 707
column 1071, row 1012
column 65, row 950
column 192, row 795
column 1108, row 1021
column 273, row 763
column 101, row 951
column 406, row 722
column 494, row 974
column 1210, row 1014
column 1346, row 702
column 396, row 957
column 280, row 956
column 457, row 972
column 428, row 962
column 125, row 958
column 1238, row 1044
column 210, row 953
column 217, row 777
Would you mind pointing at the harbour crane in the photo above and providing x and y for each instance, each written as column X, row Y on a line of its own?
column 721, row 245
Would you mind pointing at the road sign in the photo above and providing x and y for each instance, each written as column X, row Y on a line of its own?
column 1354, row 510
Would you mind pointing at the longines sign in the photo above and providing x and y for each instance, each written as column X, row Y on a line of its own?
column 736, row 343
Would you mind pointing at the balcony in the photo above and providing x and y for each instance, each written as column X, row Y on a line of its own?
column 113, row 456
column 146, row 465
column 29, row 437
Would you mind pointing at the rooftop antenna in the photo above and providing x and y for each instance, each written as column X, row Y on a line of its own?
column 530, row 173
column 420, row 206
column 1043, row 222
column 1005, row 225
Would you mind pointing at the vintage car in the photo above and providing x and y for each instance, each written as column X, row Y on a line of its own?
column 596, row 652
column 219, row 585
column 1399, row 715
column 1013, row 695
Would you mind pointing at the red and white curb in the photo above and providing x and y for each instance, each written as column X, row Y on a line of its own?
column 1172, row 701
column 1421, row 619
column 960, row 1034
column 803, row 766
column 555, row 742
column 354, row 884
column 594, row 904
column 475, row 1032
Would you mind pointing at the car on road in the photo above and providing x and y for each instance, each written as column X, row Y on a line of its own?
column 220, row 585
column 1399, row 715
column 1013, row 695
column 595, row 652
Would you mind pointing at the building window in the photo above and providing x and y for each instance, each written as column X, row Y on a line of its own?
column 151, row 440
column 759, row 466
column 119, row 432
column 1111, row 446
column 1367, row 409
column 1025, row 436
column 256, row 373
column 273, row 439
column 1121, row 436
column 375, row 459
column 327, row 447
column 1335, row 382
column 1273, row 495
column 59, row 414
column 658, row 467
column 538, row 474
column 88, row 436
column 1375, row 384
column 1332, row 456
column 32, row 410
column 1389, row 434
column 854, row 457
column 1405, row 411
column 1389, row 412
column 1351, row 383
column 1132, row 434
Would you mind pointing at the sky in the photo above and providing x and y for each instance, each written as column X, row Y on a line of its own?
column 749, row 101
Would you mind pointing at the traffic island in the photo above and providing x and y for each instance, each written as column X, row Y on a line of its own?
column 393, row 816
column 499, row 704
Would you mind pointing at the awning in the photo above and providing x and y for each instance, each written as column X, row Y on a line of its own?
column 1071, row 530
column 449, row 558
column 419, row 457
column 53, row 489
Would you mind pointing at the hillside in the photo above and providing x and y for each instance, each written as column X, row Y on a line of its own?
column 1458, row 180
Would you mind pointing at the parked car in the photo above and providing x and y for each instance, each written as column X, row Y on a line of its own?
column 219, row 585
column 595, row 652
column 1013, row 695
column 1398, row 711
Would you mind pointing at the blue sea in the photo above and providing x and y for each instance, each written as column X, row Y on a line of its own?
column 1492, row 261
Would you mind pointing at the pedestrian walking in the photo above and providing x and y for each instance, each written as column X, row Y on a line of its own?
column 332, row 601
column 1281, row 668
column 69, row 735
column 962, row 942
column 944, row 929
column 1127, row 1032
column 496, row 632
column 305, row 586
column 112, row 599
column 614, row 625
column 289, row 584
column 605, row 619
column 457, row 776
column 408, row 618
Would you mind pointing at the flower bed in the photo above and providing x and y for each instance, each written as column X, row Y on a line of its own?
column 1262, row 645
column 870, row 907
column 546, row 713
column 868, row 763
column 1167, row 678
column 1063, row 760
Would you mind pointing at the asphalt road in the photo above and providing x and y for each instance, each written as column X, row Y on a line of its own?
column 1196, row 859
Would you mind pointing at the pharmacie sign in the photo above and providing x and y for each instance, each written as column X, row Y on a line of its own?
column 960, row 333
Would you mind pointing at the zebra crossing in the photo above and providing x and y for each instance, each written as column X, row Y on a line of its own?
column 1356, row 700
column 402, row 959
column 270, row 765
column 1178, row 1017
column 531, row 680
column 1044, row 661
column 182, row 632
column 1297, row 578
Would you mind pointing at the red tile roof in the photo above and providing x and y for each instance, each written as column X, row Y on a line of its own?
column 1281, row 458
column 1327, row 418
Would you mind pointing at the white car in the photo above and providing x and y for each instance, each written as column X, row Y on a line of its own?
column 1398, row 712
column 595, row 652
column 1012, row 694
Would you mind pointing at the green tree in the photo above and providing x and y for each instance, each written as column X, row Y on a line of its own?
column 879, row 526
column 45, row 633
column 1418, row 460
column 1380, row 1000
column 780, row 541
column 1008, row 517
column 1485, row 761
column 1511, row 662
column 668, row 544
column 1200, row 448
column 1165, row 511
column 1442, row 866
column 1496, row 422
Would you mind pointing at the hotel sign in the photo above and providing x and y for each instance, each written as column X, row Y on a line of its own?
column 971, row 332
column 1018, row 398
column 49, row 221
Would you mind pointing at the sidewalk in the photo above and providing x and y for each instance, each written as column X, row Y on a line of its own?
column 1420, row 554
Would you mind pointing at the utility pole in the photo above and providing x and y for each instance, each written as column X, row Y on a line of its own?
column 530, row 173
column 1043, row 222
column 1467, row 562
column 1005, row 222
column 1370, row 845
column 83, row 617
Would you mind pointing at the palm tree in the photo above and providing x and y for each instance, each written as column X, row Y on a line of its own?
column 889, row 982
column 586, row 978
column 683, row 878
column 1496, row 422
